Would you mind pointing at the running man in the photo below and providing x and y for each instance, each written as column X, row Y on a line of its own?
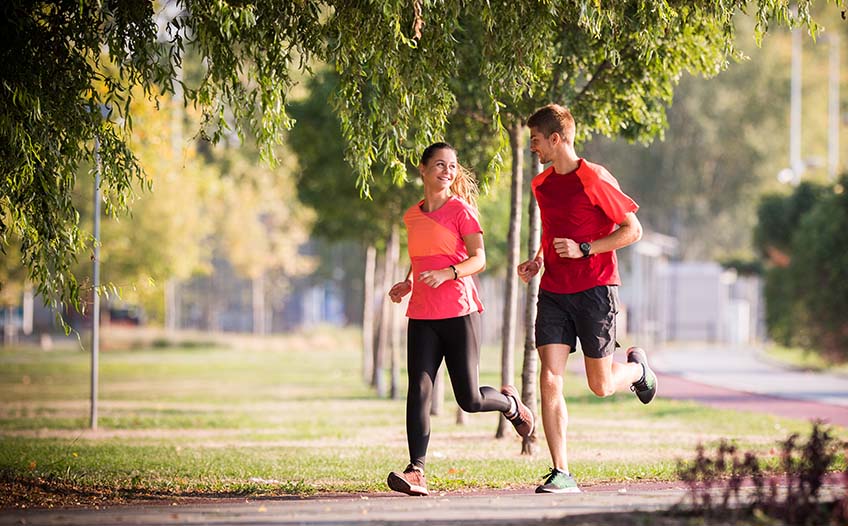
column 585, row 218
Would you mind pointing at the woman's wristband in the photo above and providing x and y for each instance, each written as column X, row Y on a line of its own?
column 455, row 275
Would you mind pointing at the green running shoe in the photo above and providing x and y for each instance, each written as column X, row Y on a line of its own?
column 558, row 481
column 646, row 387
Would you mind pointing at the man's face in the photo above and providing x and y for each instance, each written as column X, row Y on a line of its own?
column 541, row 145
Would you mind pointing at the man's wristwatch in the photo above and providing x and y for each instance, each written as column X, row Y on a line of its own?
column 585, row 248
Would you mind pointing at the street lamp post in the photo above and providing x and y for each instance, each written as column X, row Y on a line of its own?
column 833, row 108
column 795, row 162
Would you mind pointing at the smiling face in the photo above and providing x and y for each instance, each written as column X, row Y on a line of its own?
column 440, row 170
column 543, row 146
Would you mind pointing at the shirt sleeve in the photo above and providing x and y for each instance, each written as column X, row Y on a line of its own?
column 607, row 195
column 467, row 221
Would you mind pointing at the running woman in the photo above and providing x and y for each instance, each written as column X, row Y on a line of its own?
column 446, row 249
column 585, row 218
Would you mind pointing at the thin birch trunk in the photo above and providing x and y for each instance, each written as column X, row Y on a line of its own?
column 368, row 314
column 390, row 262
column 379, row 297
column 438, row 398
column 397, row 324
column 171, row 314
column 530, row 368
column 516, row 133
column 258, row 291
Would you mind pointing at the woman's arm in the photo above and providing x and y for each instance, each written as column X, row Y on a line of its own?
column 475, row 263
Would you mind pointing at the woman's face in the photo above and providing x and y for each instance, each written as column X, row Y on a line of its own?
column 440, row 170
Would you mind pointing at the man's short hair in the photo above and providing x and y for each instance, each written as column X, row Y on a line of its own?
column 553, row 118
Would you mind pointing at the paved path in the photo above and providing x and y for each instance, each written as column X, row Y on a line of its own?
column 742, row 378
column 494, row 508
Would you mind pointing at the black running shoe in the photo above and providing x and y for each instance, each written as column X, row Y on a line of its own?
column 646, row 387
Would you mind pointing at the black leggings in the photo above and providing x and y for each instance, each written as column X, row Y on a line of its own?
column 457, row 340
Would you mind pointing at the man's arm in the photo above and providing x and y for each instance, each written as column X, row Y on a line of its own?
column 627, row 233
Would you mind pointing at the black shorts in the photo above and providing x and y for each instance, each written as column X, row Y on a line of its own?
column 588, row 315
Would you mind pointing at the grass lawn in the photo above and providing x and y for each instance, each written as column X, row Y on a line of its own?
column 804, row 359
column 291, row 415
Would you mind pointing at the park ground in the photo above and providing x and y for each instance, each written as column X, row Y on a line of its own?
column 273, row 419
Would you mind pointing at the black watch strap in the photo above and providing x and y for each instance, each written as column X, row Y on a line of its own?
column 585, row 248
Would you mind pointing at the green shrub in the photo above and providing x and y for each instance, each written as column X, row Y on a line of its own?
column 805, row 236
column 820, row 273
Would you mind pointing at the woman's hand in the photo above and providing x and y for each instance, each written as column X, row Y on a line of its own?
column 399, row 290
column 434, row 278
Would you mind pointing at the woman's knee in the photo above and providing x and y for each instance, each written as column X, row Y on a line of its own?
column 470, row 403
column 420, row 390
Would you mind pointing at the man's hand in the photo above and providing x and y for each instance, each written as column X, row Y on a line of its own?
column 528, row 269
column 399, row 290
column 567, row 248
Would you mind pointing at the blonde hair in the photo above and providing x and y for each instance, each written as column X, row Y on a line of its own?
column 464, row 184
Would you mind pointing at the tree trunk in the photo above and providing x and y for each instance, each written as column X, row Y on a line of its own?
column 171, row 322
column 531, row 367
column 390, row 262
column 461, row 416
column 258, row 304
column 10, row 330
column 368, row 314
column 28, row 310
column 438, row 398
column 513, row 249
column 397, row 325
column 379, row 280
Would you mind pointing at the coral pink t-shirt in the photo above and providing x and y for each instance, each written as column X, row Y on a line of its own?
column 435, row 242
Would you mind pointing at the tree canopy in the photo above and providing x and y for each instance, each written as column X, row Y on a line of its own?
column 71, row 70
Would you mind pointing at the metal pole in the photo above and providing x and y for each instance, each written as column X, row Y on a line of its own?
column 833, row 110
column 795, row 162
column 95, row 315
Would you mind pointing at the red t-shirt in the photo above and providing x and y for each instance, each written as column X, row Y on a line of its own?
column 584, row 205
column 435, row 242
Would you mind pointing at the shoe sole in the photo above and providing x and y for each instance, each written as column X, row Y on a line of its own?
column 644, row 360
column 514, row 394
column 558, row 491
column 401, row 485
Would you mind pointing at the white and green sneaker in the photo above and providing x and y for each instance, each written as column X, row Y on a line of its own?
column 558, row 481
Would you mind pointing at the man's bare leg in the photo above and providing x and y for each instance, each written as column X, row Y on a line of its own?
column 606, row 376
column 554, row 411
